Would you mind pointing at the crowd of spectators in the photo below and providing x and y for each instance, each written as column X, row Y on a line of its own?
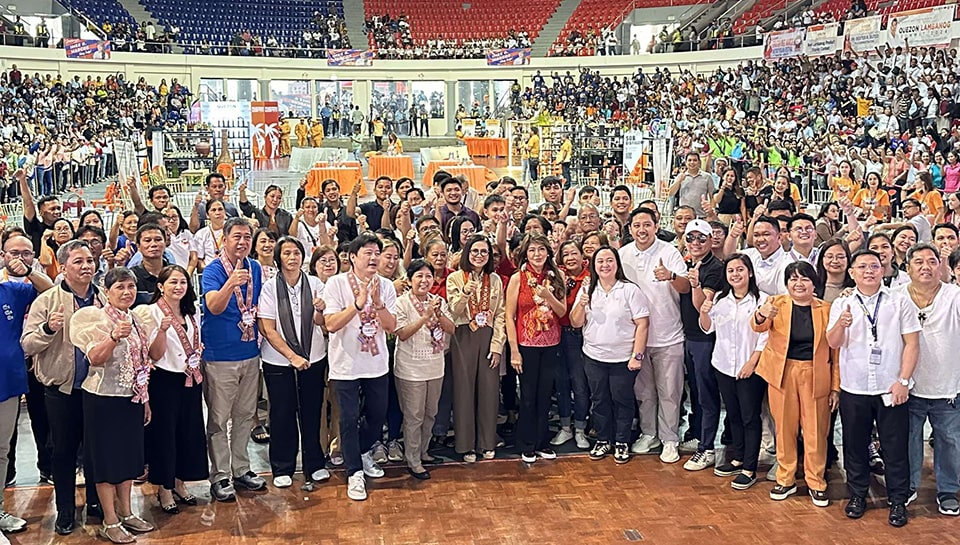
column 62, row 131
column 587, row 43
column 392, row 38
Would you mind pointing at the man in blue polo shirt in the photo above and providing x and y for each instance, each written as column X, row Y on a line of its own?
column 15, row 298
column 231, row 359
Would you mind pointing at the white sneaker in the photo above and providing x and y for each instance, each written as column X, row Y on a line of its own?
column 561, row 437
column 336, row 460
column 81, row 480
column 644, row 444
column 4, row 540
column 690, row 446
column 11, row 523
column 282, row 481
column 580, row 437
column 700, row 460
column 319, row 475
column 669, row 454
column 772, row 474
column 357, row 487
column 370, row 468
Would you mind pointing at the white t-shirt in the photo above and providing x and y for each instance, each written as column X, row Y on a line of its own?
column 347, row 361
column 922, row 225
column 896, row 316
column 736, row 340
column 180, row 246
column 936, row 374
column 269, row 308
column 609, row 329
column 665, row 326
column 208, row 243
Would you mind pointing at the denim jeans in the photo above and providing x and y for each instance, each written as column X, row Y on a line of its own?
column 698, row 354
column 361, row 418
column 571, row 379
column 945, row 420
column 614, row 404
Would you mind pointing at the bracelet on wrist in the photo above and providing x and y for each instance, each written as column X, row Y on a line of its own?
column 356, row 306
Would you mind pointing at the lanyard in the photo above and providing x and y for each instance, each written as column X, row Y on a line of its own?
column 871, row 318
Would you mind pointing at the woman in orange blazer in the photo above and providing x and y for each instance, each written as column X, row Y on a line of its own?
column 803, row 381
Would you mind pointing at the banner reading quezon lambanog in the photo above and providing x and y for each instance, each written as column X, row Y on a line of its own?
column 783, row 44
column 920, row 27
column 821, row 40
column 862, row 34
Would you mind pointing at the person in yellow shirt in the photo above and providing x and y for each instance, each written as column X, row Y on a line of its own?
column 873, row 199
column 564, row 158
column 301, row 131
column 285, row 130
column 930, row 200
column 378, row 134
column 316, row 133
column 533, row 149
column 394, row 145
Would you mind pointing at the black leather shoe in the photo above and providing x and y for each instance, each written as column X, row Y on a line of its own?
column 65, row 523
column 95, row 511
column 898, row 515
column 855, row 507
column 422, row 475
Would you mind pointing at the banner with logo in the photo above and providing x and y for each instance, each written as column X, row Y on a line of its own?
column 920, row 27
column 265, row 120
column 494, row 130
column 633, row 159
column 76, row 48
column 783, row 44
column 508, row 57
column 469, row 126
column 821, row 40
column 862, row 34
column 349, row 57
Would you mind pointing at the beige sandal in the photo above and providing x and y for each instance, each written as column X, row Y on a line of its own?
column 123, row 537
column 136, row 524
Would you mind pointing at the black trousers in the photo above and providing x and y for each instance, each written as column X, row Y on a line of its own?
column 508, row 383
column 296, row 400
column 39, row 424
column 858, row 414
column 536, row 386
column 66, row 429
column 363, row 410
column 744, row 400
column 176, row 439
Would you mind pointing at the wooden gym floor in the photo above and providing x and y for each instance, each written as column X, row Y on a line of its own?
column 571, row 500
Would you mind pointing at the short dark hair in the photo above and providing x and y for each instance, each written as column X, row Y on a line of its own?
column 800, row 217
column 864, row 252
column 623, row 188
column 646, row 212
column 588, row 190
column 236, row 222
column 416, row 190
column 804, row 269
column 211, row 202
column 526, row 193
column 493, row 199
column 919, row 247
column 363, row 240
column 448, row 181
column 465, row 264
column 439, row 175
column 211, row 176
column 769, row 220
column 914, row 202
column 400, row 181
column 418, row 265
column 550, row 180
column 45, row 200
column 150, row 217
column 98, row 232
column 118, row 274
column 326, row 183
column 256, row 234
column 150, row 227
column 949, row 226
column 720, row 225
column 781, row 204
column 153, row 190
column 288, row 240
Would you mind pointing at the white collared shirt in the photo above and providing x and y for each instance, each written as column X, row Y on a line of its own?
column 793, row 255
column 269, row 308
column 665, row 326
column 181, row 245
column 609, row 329
column 347, row 360
column 736, row 339
column 936, row 374
column 896, row 317
column 769, row 271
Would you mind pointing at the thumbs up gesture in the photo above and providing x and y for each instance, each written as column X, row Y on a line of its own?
column 123, row 255
column 239, row 276
column 122, row 329
column 736, row 229
column 693, row 275
column 661, row 273
column 318, row 303
column 55, row 320
column 846, row 317
column 706, row 306
column 767, row 309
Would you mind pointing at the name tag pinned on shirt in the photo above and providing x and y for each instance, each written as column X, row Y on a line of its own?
column 875, row 355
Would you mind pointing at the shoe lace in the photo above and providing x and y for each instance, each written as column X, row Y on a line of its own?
column 698, row 457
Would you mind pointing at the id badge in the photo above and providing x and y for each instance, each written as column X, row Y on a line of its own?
column 875, row 354
column 481, row 319
column 248, row 317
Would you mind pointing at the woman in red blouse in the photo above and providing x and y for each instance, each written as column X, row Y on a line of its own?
column 535, row 302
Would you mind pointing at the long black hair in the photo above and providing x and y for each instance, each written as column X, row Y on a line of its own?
column 595, row 279
column 188, row 305
column 822, row 270
column 752, row 287
column 553, row 275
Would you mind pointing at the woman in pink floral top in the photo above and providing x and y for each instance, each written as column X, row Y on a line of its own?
column 535, row 301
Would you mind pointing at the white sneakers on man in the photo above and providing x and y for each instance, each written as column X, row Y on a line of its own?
column 580, row 438
column 700, row 460
column 282, row 481
column 370, row 468
column 357, row 487
column 320, row 475
column 669, row 454
column 644, row 444
column 561, row 437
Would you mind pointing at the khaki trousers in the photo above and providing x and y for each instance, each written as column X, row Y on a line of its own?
column 230, row 391
column 418, row 401
column 476, row 390
column 794, row 407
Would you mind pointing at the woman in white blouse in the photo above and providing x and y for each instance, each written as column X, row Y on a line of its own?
column 182, row 244
column 735, row 357
column 209, row 239
column 176, row 440
column 614, row 315
column 294, row 365
column 424, row 326
column 309, row 230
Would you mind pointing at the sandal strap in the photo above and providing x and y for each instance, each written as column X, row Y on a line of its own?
column 114, row 526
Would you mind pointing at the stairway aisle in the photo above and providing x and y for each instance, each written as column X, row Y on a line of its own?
column 553, row 27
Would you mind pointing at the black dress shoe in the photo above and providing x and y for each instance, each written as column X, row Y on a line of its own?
column 422, row 475
column 855, row 507
column 95, row 511
column 65, row 523
column 898, row 515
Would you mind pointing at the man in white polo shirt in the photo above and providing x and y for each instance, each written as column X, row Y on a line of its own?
column 877, row 332
column 767, row 255
column 937, row 379
column 658, row 268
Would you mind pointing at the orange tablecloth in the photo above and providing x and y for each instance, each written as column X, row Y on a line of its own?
column 394, row 166
column 433, row 167
column 477, row 175
column 324, row 164
column 486, row 147
column 346, row 176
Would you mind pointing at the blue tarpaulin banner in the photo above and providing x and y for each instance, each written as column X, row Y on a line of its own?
column 86, row 49
column 507, row 57
column 349, row 57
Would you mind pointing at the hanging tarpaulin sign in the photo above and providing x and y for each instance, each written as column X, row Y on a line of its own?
column 862, row 34
column 508, row 57
column 76, row 48
column 821, row 40
column 633, row 160
column 265, row 120
column 920, row 27
column 783, row 44
column 349, row 57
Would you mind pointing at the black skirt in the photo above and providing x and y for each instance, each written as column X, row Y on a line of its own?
column 176, row 439
column 113, row 432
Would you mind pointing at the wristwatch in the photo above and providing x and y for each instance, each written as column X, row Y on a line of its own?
column 639, row 356
column 904, row 382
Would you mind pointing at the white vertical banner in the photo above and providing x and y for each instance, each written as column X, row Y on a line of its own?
column 661, row 164
column 126, row 155
column 821, row 40
column 633, row 155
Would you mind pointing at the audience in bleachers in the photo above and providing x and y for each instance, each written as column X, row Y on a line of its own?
column 393, row 39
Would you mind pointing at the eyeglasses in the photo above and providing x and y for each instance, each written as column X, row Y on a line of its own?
column 807, row 229
column 872, row 268
column 696, row 237
column 328, row 260
column 479, row 252
column 25, row 254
